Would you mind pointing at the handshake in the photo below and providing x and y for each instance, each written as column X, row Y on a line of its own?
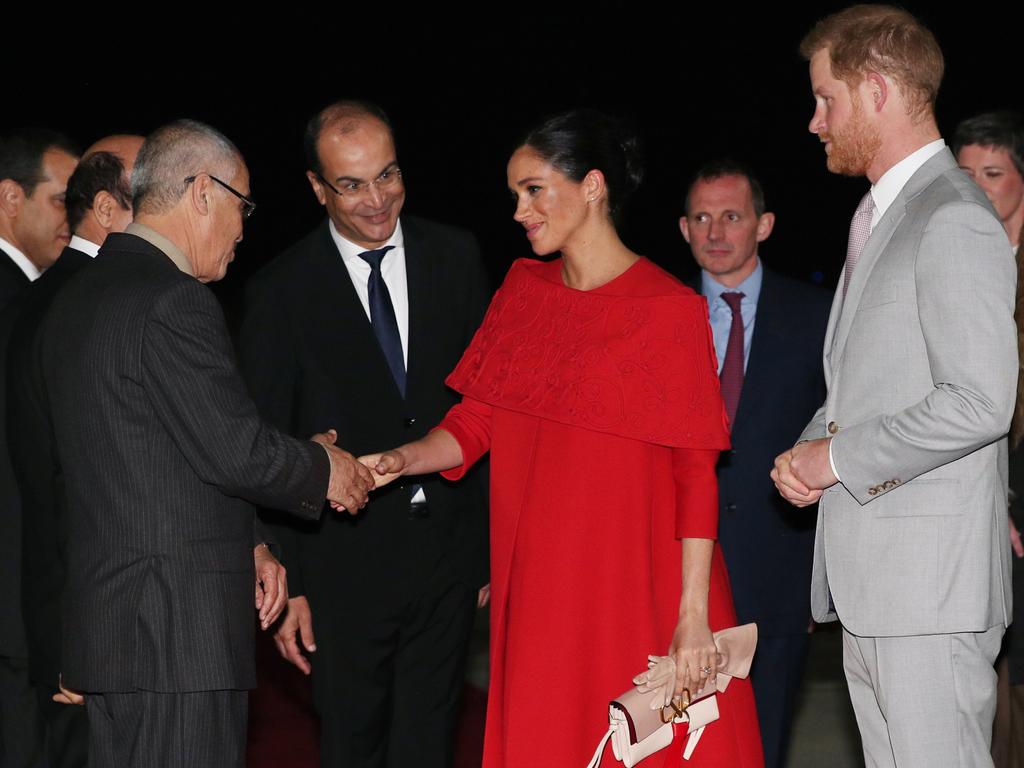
column 352, row 479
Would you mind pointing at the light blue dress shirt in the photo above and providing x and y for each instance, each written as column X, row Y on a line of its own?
column 721, row 314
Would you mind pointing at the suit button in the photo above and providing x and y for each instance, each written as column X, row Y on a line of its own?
column 730, row 507
column 832, row 427
column 408, row 422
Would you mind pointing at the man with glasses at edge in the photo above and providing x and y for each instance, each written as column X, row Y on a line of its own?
column 359, row 323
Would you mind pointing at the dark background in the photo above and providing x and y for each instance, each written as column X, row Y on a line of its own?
column 461, row 88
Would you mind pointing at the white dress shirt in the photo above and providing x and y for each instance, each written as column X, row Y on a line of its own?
column 32, row 272
column 392, row 269
column 87, row 247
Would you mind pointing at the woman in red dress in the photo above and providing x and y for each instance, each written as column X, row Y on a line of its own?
column 592, row 384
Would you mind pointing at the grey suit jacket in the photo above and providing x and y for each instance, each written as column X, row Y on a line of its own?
column 162, row 450
column 921, row 366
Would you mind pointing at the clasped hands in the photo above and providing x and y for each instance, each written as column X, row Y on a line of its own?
column 802, row 473
column 352, row 479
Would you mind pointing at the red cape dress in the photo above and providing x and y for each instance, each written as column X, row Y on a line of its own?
column 602, row 415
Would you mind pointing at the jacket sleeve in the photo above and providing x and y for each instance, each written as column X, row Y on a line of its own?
column 964, row 279
column 195, row 388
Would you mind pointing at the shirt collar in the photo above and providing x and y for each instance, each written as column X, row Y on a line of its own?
column 350, row 250
column 169, row 249
column 32, row 272
column 886, row 189
column 750, row 287
column 87, row 247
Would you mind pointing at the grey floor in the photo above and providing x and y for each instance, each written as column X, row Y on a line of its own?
column 825, row 731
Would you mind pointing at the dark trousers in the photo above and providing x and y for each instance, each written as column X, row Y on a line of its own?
column 776, row 675
column 65, row 730
column 21, row 743
column 204, row 729
column 387, row 681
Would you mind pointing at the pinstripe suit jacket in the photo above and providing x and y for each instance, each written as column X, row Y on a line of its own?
column 162, row 452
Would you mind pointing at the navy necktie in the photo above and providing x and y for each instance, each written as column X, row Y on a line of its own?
column 382, row 316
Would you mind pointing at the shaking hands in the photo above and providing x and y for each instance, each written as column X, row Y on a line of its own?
column 350, row 481
column 384, row 466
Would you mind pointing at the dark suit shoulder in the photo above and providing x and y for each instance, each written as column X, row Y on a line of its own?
column 415, row 227
column 799, row 294
column 290, row 270
column 12, row 279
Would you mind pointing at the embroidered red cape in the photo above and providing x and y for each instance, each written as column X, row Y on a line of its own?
column 637, row 367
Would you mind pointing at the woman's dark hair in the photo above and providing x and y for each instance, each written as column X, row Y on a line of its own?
column 583, row 140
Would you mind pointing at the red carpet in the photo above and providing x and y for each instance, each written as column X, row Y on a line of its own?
column 283, row 729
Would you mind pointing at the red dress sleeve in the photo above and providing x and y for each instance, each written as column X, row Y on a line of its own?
column 469, row 423
column 693, row 471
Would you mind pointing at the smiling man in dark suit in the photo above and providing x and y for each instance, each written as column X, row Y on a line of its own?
column 98, row 201
column 766, row 329
column 34, row 170
column 358, row 324
column 161, row 452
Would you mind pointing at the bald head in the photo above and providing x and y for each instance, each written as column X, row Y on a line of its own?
column 99, row 191
column 125, row 146
column 341, row 117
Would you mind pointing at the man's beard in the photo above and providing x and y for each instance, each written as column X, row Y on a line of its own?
column 854, row 148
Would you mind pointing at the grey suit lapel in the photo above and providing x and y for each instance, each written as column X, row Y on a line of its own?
column 873, row 250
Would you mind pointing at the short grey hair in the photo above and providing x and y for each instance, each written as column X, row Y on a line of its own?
column 172, row 154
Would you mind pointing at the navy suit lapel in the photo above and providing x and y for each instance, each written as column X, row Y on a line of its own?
column 763, row 345
column 7, row 265
column 423, row 292
column 352, row 334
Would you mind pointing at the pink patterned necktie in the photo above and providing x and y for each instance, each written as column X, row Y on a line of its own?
column 731, row 377
column 860, row 228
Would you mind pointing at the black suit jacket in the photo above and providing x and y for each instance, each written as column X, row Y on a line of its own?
column 767, row 543
column 162, row 451
column 12, row 635
column 313, row 362
column 41, row 549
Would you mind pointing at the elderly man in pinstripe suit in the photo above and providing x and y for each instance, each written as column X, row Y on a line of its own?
column 162, row 452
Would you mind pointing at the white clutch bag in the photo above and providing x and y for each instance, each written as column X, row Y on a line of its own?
column 642, row 720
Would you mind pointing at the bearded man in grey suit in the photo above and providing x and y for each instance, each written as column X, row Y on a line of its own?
column 908, row 453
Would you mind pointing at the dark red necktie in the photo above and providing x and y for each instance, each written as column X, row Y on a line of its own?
column 732, row 369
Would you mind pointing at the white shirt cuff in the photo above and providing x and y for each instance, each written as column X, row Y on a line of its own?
column 832, row 463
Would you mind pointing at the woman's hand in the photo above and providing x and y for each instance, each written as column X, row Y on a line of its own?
column 384, row 466
column 693, row 649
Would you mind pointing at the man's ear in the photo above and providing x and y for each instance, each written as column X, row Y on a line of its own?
column 12, row 197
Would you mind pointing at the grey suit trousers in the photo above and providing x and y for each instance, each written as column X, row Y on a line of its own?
column 938, row 686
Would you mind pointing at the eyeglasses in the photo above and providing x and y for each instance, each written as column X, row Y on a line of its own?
column 389, row 177
column 248, row 206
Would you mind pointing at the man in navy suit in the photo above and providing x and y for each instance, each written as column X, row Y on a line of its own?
column 766, row 329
